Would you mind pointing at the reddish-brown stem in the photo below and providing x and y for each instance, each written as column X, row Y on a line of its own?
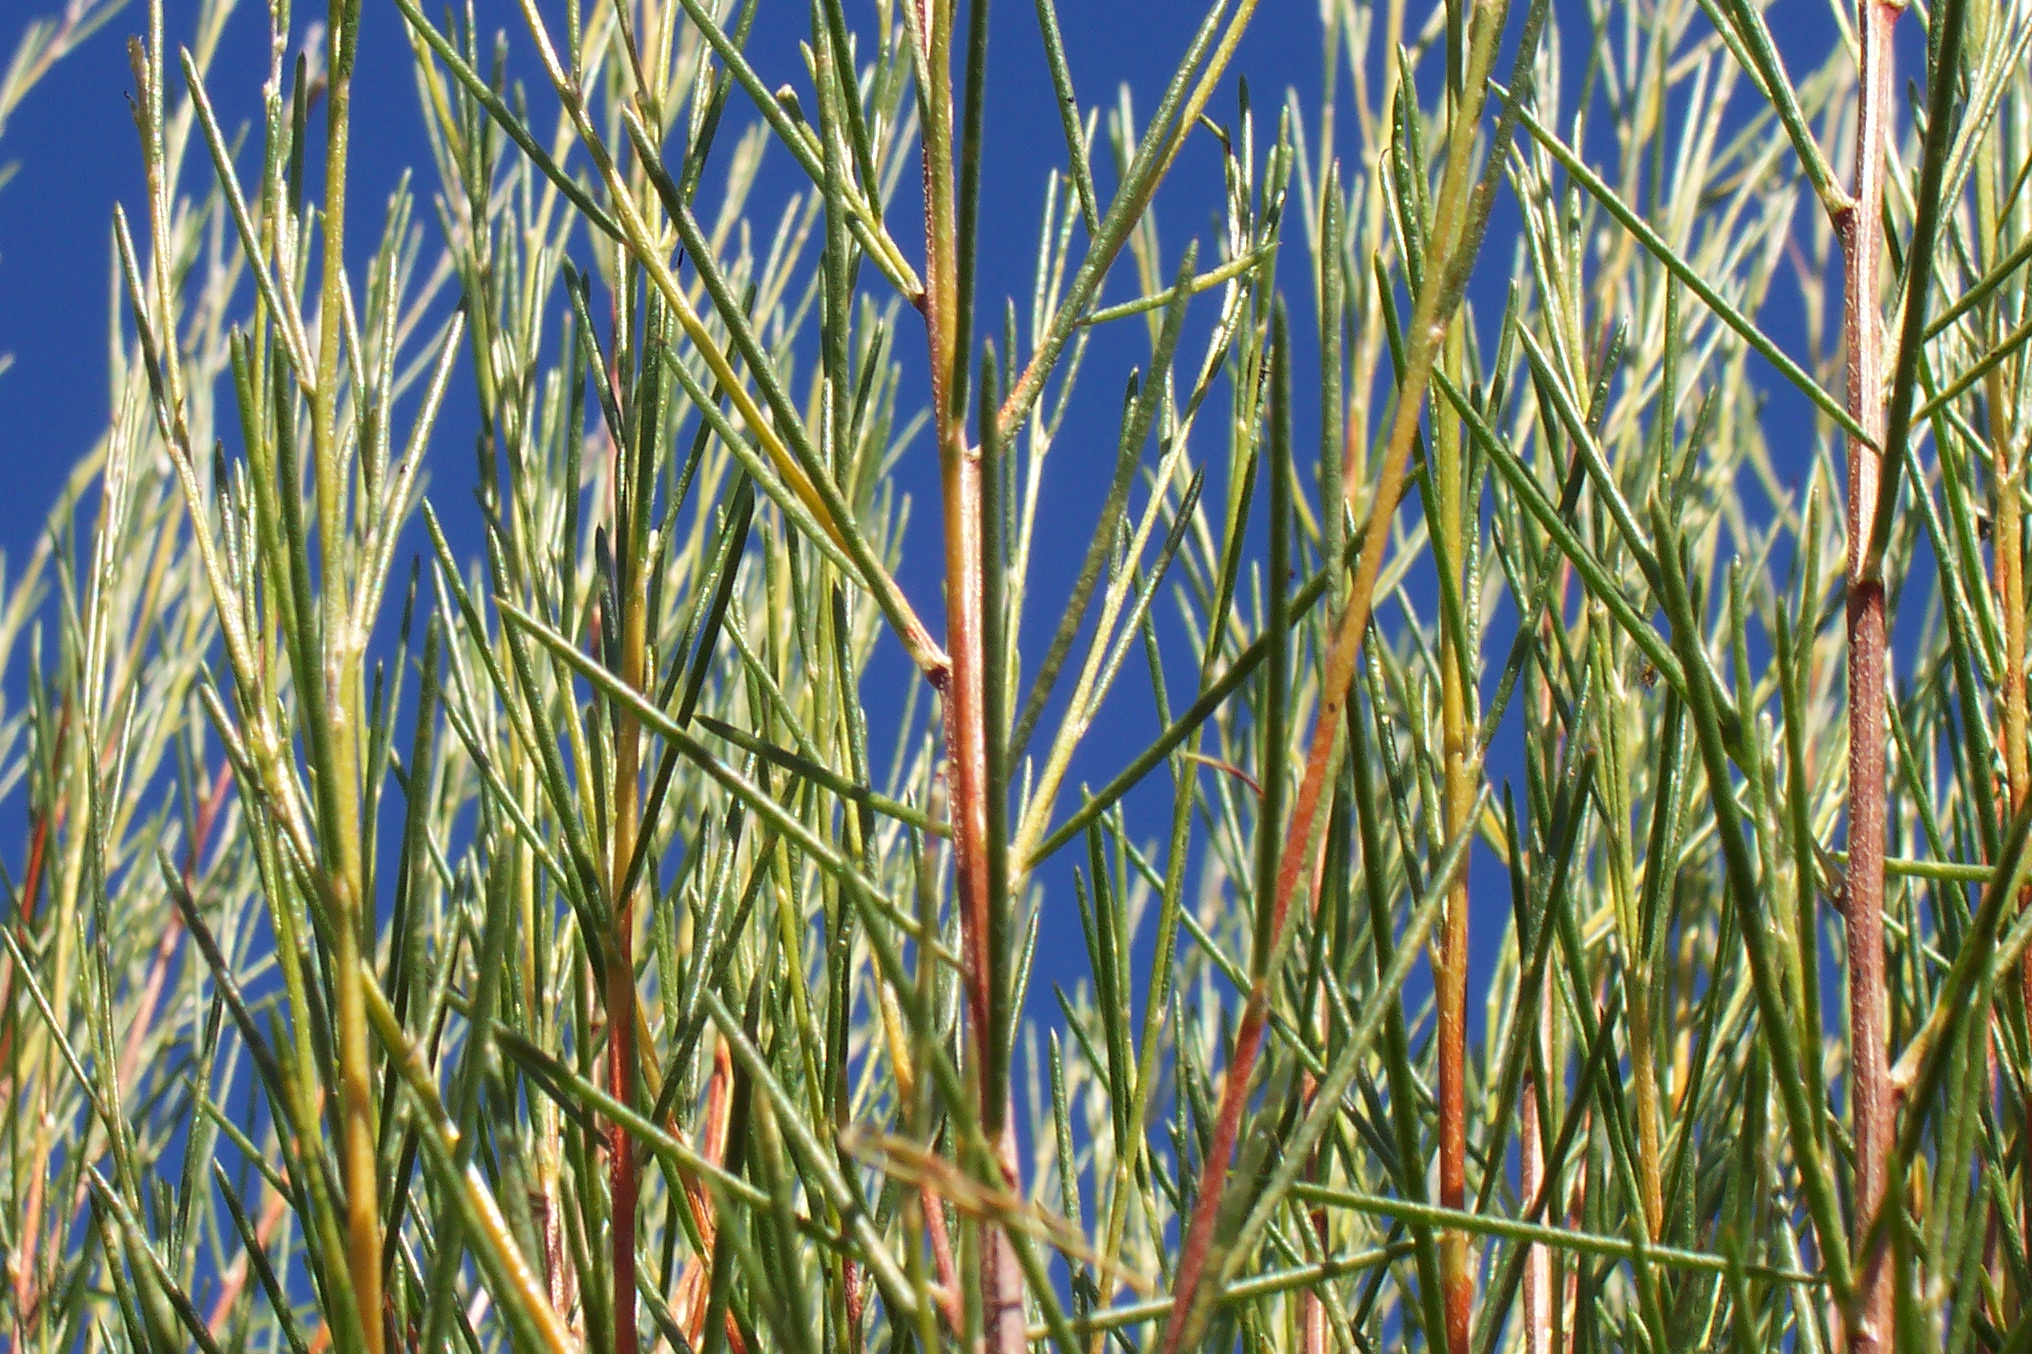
column 2007, row 545
column 940, row 1241
column 28, row 1300
column 1006, row 1329
column 1312, row 1312
column 557, row 1286
column 42, row 822
column 46, row 822
column 1860, row 226
column 1321, row 756
column 1450, row 959
column 623, row 1185
column 694, row 1286
column 1199, row 1236
column 1569, row 1298
column 1312, row 1319
column 1531, row 1148
column 621, row 1149
column 1455, row 1271
column 1255, row 1011
column 1539, row 1298
column 966, row 750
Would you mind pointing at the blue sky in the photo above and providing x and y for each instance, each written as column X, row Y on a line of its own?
column 77, row 155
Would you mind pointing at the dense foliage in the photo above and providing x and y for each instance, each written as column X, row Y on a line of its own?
column 528, row 923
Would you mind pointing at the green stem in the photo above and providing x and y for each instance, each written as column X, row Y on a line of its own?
column 337, row 773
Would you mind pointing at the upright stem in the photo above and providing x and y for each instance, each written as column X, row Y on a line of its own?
column 29, row 1053
column 1451, row 245
column 1001, row 1279
column 1861, row 228
column 1312, row 1323
column 338, row 781
column 623, row 1185
column 1539, row 1299
column 1451, row 958
column 1531, row 1149
column 2007, row 545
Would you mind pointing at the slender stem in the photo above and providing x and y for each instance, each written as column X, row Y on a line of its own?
column 2007, row 545
column 1860, row 226
column 338, row 782
column 1322, row 760
column 1450, row 959
column 1541, row 1301
column 1538, row 1297
column 23, row 1083
column 623, row 1185
column 1451, row 244
column 1312, row 1324
column 1001, row 1278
